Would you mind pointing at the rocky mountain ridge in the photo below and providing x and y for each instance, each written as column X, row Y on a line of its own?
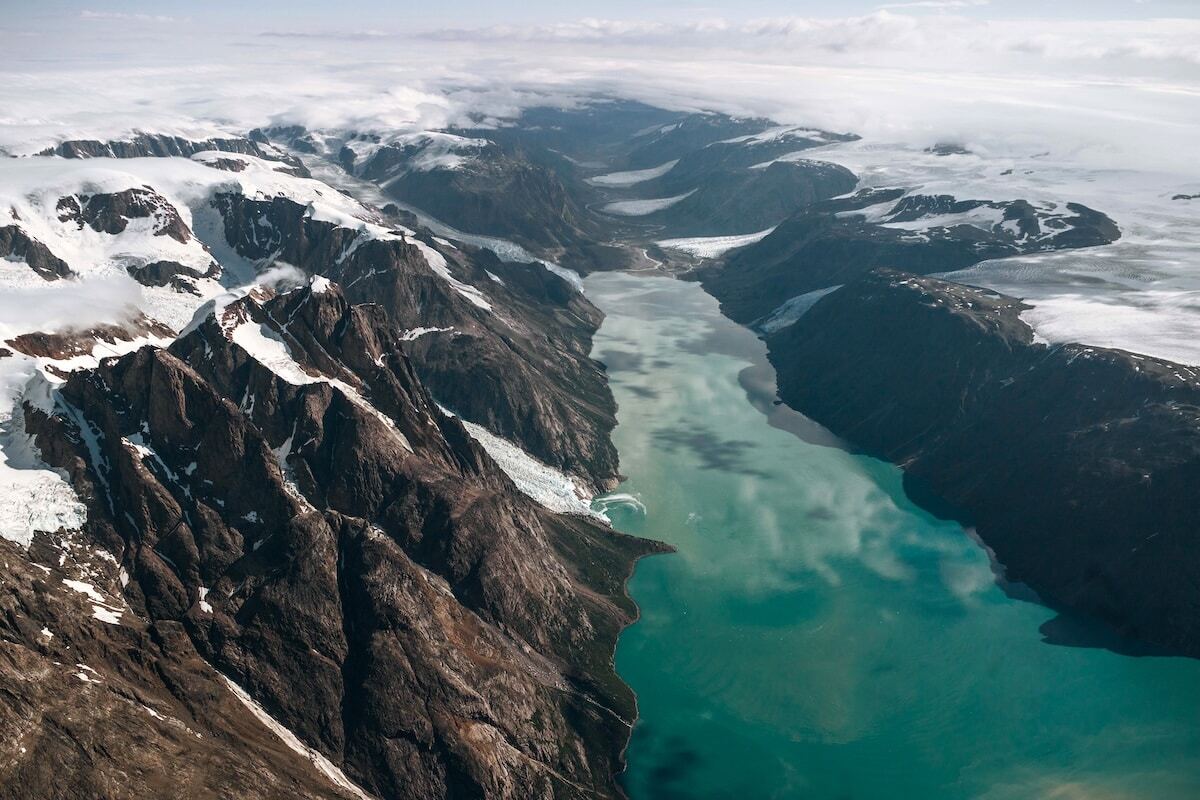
column 278, row 517
column 288, row 505
column 1074, row 463
column 772, row 271
column 357, row 514
column 834, row 241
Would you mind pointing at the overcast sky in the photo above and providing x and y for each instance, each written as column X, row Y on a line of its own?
column 391, row 16
column 1107, row 81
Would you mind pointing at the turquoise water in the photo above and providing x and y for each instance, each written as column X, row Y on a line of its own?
column 818, row 636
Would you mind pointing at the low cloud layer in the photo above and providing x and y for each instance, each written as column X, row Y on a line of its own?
column 117, row 16
column 883, row 37
column 69, row 305
column 1101, row 112
column 1108, row 93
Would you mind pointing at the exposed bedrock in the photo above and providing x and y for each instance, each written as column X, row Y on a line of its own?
column 290, row 507
column 1077, row 465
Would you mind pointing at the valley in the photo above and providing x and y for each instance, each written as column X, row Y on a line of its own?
column 365, row 431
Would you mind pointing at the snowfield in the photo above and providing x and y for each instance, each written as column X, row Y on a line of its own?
column 101, row 292
column 640, row 208
column 713, row 246
column 632, row 177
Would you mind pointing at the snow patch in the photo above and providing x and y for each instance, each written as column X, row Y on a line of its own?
column 437, row 262
column 416, row 333
column 792, row 310
column 84, row 588
column 778, row 133
column 266, row 346
column 437, row 150
column 713, row 246
column 545, row 484
column 83, row 675
column 640, row 208
column 101, row 608
column 105, row 614
column 632, row 177
column 319, row 761
column 983, row 217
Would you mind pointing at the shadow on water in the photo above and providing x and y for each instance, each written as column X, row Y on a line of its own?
column 621, row 361
column 644, row 392
column 758, row 381
column 715, row 453
column 827, row 631
column 1068, row 629
column 675, row 765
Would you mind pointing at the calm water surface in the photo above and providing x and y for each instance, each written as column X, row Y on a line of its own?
column 818, row 636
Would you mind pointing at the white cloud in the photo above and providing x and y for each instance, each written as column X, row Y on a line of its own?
column 87, row 14
column 883, row 37
column 1104, row 112
column 69, row 305
column 937, row 4
column 1126, row 92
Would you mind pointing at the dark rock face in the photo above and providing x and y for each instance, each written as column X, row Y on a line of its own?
column 691, row 133
column 169, row 273
column 521, row 370
column 947, row 149
column 322, row 534
column 730, row 198
column 529, row 182
column 227, row 164
column 92, row 709
column 695, row 166
column 722, row 166
column 1077, row 465
column 598, row 130
column 110, row 213
column 149, row 145
column 76, row 343
column 829, row 243
column 497, row 191
column 17, row 244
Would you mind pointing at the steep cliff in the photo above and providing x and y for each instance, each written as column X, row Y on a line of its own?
column 286, row 504
column 1077, row 465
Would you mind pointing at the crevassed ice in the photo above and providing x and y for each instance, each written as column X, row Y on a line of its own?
column 549, row 487
column 33, row 497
